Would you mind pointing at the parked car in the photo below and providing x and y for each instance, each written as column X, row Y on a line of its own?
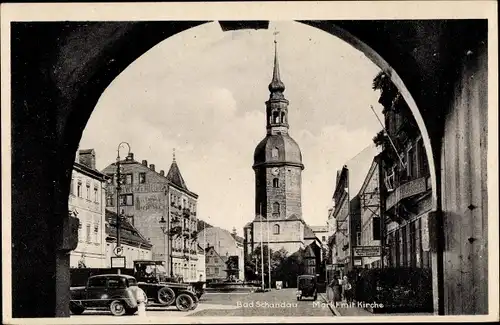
column 307, row 287
column 151, row 277
column 113, row 292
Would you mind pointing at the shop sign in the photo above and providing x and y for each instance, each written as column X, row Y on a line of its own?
column 366, row 251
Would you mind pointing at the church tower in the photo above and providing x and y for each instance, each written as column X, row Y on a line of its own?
column 278, row 173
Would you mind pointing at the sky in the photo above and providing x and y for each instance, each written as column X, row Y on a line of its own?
column 203, row 92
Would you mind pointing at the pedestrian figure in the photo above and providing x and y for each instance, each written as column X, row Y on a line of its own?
column 336, row 289
column 347, row 289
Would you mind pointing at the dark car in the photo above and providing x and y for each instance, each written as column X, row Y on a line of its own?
column 113, row 292
column 307, row 286
column 151, row 277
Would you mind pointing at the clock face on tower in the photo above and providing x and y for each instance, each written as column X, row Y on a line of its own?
column 275, row 171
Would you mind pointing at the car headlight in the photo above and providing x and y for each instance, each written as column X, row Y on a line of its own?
column 299, row 292
column 190, row 288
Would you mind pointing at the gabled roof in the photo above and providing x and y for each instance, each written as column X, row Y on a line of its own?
column 293, row 217
column 174, row 176
column 127, row 231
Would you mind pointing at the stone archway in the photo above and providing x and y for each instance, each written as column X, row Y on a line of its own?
column 57, row 81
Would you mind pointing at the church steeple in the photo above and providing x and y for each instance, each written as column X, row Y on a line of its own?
column 277, row 105
column 276, row 86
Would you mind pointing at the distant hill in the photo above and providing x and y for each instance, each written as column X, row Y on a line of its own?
column 202, row 225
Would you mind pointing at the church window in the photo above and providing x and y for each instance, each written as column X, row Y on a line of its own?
column 276, row 208
column 282, row 117
column 276, row 117
column 276, row 183
column 276, row 229
column 274, row 153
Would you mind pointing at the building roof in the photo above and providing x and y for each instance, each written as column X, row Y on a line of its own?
column 238, row 238
column 288, row 150
column 127, row 231
column 308, row 232
column 174, row 175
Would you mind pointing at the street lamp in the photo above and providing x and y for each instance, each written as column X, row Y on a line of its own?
column 118, row 189
column 164, row 228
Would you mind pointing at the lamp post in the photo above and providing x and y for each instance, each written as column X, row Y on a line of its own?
column 118, row 189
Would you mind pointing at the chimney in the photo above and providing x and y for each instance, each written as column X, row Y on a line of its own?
column 162, row 172
column 130, row 156
column 145, row 163
column 87, row 158
column 152, row 167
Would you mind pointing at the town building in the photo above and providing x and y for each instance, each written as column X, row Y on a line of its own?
column 215, row 265
column 87, row 197
column 147, row 197
column 371, row 227
column 322, row 233
column 347, row 226
column 278, row 181
column 201, row 270
column 225, row 244
column 407, row 182
column 135, row 246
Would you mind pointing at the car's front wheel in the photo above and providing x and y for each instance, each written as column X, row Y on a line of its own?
column 184, row 302
column 166, row 296
column 117, row 308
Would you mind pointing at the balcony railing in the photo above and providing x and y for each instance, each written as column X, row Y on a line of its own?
column 407, row 190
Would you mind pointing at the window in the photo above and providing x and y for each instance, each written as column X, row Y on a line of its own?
column 80, row 227
column 142, row 178
column 96, row 232
column 79, row 189
column 216, row 270
column 276, row 209
column 97, row 282
column 88, row 233
column 71, row 187
column 128, row 179
column 88, row 191
column 111, row 178
column 96, row 195
column 126, row 199
column 358, row 238
column 323, row 239
column 274, row 153
column 276, row 183
column 276, row 229
column 117, row 283
column 376, row 228
column 110, row 201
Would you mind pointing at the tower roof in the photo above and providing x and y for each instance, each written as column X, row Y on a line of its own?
column 174, row 174
column 276, row 85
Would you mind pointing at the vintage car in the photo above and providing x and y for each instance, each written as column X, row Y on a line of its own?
column 151, row 278
column 307, row 287
column 113, row 292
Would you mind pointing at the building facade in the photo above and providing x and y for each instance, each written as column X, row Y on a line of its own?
column 215, row 265
column 370, row 209
column 407, row 182
column 146, row 197
column 201, row 270
column 87, row 198
column 226, row 244
column 347, row 229
column 278, row 179
column 135, row 246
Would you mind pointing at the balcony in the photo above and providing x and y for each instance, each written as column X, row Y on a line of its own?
column 407, row 190
column 186, row 212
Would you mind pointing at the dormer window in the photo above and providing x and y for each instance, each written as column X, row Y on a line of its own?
column 274, row 153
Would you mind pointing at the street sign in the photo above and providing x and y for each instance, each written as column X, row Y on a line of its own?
column 118, row 262
column 118, row 251
column 366, row 251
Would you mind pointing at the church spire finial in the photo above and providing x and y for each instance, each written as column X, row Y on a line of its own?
column 173, row 155
column 276, row 84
